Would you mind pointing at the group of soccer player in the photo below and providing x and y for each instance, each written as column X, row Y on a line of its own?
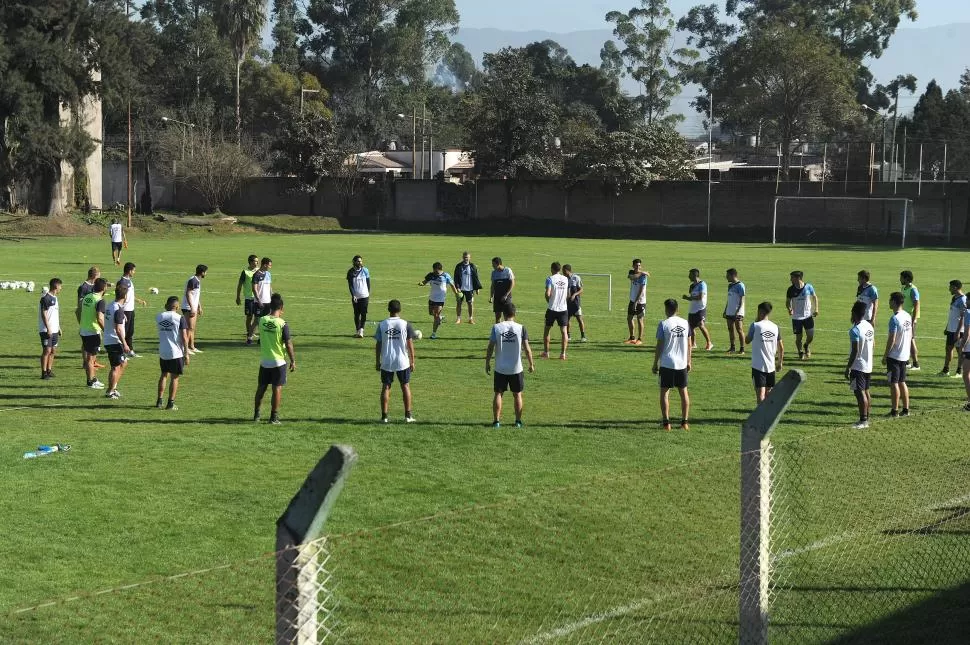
column 112, row 325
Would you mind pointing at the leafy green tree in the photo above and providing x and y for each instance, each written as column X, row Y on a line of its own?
column 286, row 47
column 646, row 33
column 307, row 149
column 273, row 95
column 240, row 22
column 512, row 121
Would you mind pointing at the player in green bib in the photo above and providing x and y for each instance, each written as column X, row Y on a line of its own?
column 911, row 306
column 274, row 347
column 91, row 321
column 245, row 286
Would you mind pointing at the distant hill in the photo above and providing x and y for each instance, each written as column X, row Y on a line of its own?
column 940, row 53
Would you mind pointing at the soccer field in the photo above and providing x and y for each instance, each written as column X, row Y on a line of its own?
column 588, row 524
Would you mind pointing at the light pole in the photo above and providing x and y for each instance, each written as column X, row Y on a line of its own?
column 425, row 121
column 882, row 159
column 304, row 91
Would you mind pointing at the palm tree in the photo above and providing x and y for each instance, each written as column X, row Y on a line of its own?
column 241, row 23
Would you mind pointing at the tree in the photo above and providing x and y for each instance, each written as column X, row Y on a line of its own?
column 307, row 149
column 286, row 49
column 215, row 168
column 646, row 32
column 792, row 81
column 457, row 69
column 240, row 22
column 273, row 95
column 512, row 121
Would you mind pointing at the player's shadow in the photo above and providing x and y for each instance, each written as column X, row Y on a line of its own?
column 50, row 397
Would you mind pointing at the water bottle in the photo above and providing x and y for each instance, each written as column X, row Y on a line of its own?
column 46, row 450
column 30, row 455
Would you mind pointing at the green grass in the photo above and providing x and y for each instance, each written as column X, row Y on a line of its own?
column 590, row 523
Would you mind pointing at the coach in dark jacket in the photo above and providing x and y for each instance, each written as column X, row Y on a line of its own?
column 466, row 279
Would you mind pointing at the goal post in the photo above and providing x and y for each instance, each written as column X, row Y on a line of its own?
column 609, row 285
column 904, row 204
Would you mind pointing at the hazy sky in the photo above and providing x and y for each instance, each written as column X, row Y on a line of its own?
column 574, row 15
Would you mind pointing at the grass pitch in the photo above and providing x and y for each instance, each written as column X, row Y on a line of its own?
column 590, row 523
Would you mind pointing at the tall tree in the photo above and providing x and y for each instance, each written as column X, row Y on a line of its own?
column 241, row 23
column 457, row 68
column 646, row 33
column 286, row 48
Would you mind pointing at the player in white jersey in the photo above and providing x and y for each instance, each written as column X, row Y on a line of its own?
column 114, row 340
column 764, row 338
column 173, row 356
column 954, row 324
column 672, row 361
column 638, row 301
column 395, row 357
column 118, row 241
column 697, row 313
column 966, row 358
column 574, row 306
column 507, row 342
column 734, row 309
column 557, row 295
column 440, row 283
column 130, row 300
column 802, row 305
column 468, row 284
column 192, row 305
column 49, row 326
column 358, row 281
column 868, row 295
column 898, row 346
column 859, row 368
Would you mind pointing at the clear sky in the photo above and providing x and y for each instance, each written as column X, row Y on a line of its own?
column 575, row 15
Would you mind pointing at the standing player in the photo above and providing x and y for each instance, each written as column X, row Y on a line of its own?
column 49, row 325
column 802, row 305
column 896, row 356
column 173, row 341
column 245, row 286
column 263, row 287
column 503, row 281
column 672, row 360
column 468, row 283
column 954, row 324
column 130, row 300
column 274, row 339
column 734, row 309
column 911, row 306
column 395, row 357
column 869, row 296
column 573, row 304
column 507, row 342
column 966, row 360
column 439, row 281
column 859, row 368
column 697, row 314
column 114, row 340
column 638, row 301
column 118, row 241
column 84, row 289
column 192, row 306
column 90, row 326
column 557, row 292
column 764, row 337
column 358, row 280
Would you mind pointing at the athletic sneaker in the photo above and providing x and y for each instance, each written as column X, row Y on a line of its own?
column 275, row 419
column 172, row 407
column 159, row 404
column 915, row 367
column 904, row 412
column 957, row 375
column 808, row 353
column 113, row 394
column 385, row 420
column 801, row 356
column 684, row 425
column 409, row 419
column 192, row 351
column 96, row 385
column 44, row 376
column 518, row 423
column 196, row 350
column 458, row 322
column 665, row 424
column 731, row 350
column 966, row 408
column 256, row 416
column 637, row 342
column 893, row 414
column 132, row 354
column 584, row 340
column 249, row 341
column 562, row 357
column 471, row 321
column 496, row 424
column 360, row 333
column 544, row 355
column 860, row 425
column 50, row 374
column 944, row 373
column 629, row 341
column 434, row 335
column 709, row 349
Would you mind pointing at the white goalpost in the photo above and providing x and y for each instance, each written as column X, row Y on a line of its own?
column 907, row 208
column 609, row 285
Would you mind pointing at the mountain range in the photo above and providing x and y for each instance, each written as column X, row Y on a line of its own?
column 941, row 53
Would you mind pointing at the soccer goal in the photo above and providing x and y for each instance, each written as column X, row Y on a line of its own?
column 592, row 298
column 810, row 219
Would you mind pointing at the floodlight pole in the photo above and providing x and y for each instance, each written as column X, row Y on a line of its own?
column 755, row 573
column 710, row 159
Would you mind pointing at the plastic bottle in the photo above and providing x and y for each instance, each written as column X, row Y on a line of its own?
column 30, row 455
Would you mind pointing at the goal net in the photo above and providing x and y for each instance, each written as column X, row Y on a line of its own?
column 800, row 220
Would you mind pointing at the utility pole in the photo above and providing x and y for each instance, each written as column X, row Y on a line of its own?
column 130, row 191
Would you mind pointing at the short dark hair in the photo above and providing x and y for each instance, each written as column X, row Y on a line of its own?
column 121, row 291
column 637, row 261
column 275, row 302
column 172, row 303
column 896, row 298
column 55, row 283
column 201, row 268
column 556, row 267
column 100, row 284
column 567, row 267
column 670, row 305
column 956, row 283
column 264, row 261
column 436, row 266
column 93, row 272
column 859, row 310
column 357, row 257
column 394, row 307
column 906, row 275
column 864, row 274
column 765, row 307
column 797, row 274
column 496, row 260
column 732, row 271
column 508, row 310
column 129, row 266
column 252, row 257
column 695, row 270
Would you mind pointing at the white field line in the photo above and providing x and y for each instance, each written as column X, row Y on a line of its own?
column 636, row 605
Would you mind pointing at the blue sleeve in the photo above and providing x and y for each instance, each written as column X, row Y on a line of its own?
column 548, row 282
column 915, row 293
column 493, row 337
column 377, row 333
column 893, row 325
column 741, row 288
column 874, row 292
column 366, row 273
column 448, row 279
column 854, row 335
column 703, row 287
column 809, row 290
column 643, row 279
column 660, row 331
